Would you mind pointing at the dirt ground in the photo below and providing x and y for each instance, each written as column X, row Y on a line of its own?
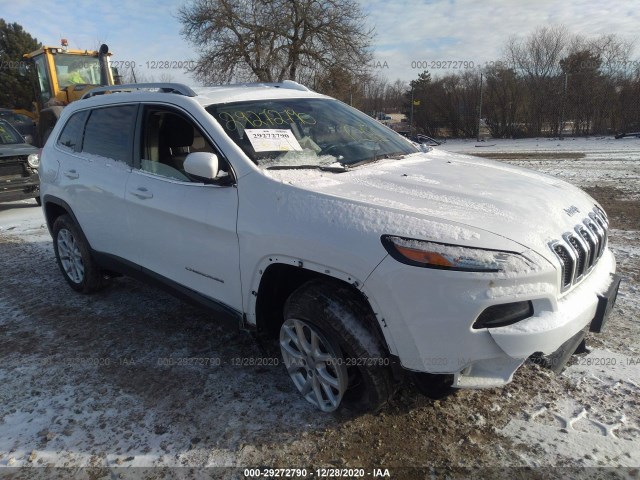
column 94, row 384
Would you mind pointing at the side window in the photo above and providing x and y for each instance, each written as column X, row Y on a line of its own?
column 71, row 136
column 109, row 132
column 167, row 138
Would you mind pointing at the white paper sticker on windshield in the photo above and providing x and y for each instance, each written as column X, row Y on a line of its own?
column 272, row 140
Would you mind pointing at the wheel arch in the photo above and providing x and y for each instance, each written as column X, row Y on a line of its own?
column 279, row 279
column 55, row 207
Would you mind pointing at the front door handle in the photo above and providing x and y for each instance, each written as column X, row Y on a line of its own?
column 142, row 193
column 71, row 174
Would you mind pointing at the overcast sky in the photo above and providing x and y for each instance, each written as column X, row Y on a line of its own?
column 148, row 32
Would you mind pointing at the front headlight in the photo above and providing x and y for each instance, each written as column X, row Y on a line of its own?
column 421, row 253
column 34, row 160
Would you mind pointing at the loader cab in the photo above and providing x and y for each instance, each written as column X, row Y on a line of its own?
column 65, row 75
column 61, row 76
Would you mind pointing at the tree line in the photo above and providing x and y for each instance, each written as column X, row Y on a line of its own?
column 547, row 84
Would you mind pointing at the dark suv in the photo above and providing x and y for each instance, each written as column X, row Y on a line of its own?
column 25, row 125
column 19, row 163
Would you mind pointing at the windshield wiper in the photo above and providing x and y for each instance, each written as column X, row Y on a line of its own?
column 325, row 168
column 384, row 156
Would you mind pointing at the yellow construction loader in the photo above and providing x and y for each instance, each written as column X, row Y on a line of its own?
column 61, row 76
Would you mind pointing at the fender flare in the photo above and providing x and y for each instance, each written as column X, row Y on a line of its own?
column 251, row 294
column 51, row 200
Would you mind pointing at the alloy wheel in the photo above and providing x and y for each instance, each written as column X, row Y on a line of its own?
column 314, row 364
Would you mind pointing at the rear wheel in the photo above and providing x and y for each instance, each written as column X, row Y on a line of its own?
column 74, row 257
column 331, row 351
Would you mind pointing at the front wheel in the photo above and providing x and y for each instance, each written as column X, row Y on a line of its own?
column 315, row 364
column 74, row 256
column 330, row 350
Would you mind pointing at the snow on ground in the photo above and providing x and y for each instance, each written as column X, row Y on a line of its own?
column 62, row 404
column 617, row 162
column 24, row 219
column 624, row 148
column 583, row 428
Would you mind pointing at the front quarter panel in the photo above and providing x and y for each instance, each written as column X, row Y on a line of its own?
column 279, row 223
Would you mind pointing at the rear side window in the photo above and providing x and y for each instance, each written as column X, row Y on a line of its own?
column 109, row 132
column 71, row 136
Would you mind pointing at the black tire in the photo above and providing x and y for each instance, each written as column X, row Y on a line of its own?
column 38, row 201
column 339, row 314
column 79, row 270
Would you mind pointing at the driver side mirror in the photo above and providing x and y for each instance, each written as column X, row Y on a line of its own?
column 203, row 165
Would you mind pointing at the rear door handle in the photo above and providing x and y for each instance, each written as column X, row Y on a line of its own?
column 71, row 174
column 142, row 193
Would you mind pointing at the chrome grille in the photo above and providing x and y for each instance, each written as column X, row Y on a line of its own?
column 580, row 250
column 591, row 241
column 568, row 263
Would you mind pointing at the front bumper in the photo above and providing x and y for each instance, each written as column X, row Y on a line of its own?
column 547, row 330
column 427, row 317
column 19, row 188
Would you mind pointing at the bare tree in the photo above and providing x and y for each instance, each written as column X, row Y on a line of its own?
column 338, row 82
column 502, row 101
column 274, row 40
column 374, row 88
column 140, row 76
column 538, row 55
column 585, row 91
column 537, row 59
column 394, row 98
column 614, row 53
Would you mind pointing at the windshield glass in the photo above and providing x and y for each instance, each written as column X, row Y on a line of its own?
column 308, row 132
column 8, row 135
column 76, row 69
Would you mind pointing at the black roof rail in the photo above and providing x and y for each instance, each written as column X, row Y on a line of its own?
column 178, row 88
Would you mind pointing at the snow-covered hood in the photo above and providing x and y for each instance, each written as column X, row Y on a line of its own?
column 458, row 190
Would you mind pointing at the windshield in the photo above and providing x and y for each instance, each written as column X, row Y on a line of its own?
column 8, row 135
column 76, row 69
column 308, row 132
column 15, row 119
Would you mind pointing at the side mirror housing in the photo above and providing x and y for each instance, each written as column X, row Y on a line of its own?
column 202, row 165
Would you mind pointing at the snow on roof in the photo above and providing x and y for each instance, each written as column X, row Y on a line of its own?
column 242, row 92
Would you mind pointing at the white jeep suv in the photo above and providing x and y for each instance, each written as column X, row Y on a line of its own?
column 367, row 258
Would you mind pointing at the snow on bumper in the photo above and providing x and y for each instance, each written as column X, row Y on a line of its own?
column 546, row 331
column 428, row 315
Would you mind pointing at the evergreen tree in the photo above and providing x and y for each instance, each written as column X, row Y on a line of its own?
column 16, row 90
